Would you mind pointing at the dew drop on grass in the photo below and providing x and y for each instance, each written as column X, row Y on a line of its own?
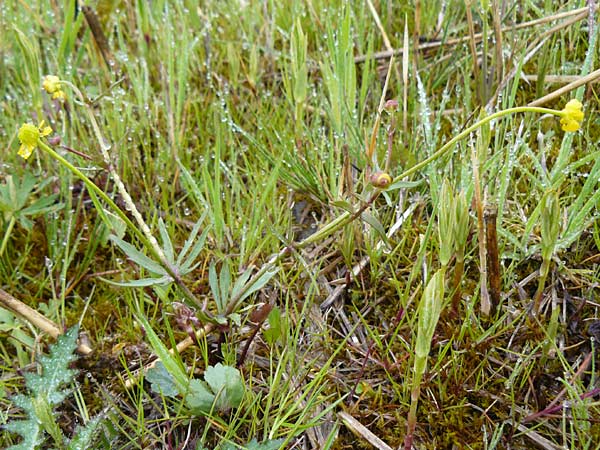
column 48, row 263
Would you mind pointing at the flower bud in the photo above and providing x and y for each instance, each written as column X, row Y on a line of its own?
column 391, row 105
column 380, row 179
column 572, row 116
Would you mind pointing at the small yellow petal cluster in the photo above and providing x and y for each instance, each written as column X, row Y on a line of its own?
column 29, row 136
column 51, row 85
column 572, row 116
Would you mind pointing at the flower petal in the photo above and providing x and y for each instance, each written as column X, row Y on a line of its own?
column 572, row 115
column 25, row 151
column 51, row 84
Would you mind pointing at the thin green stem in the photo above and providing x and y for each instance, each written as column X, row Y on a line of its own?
column 92, row 186
column 544, row 270
column 104, row 147
column 448, row 145
column 172, row 271
column 415, row 394
column 348, row 217
column 142, row 231
column 11, row 224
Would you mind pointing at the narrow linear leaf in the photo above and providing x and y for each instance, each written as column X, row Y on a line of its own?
column 258, row 284
column 143, row 282
column 166, row 240
column 138, row 257
column 180, row 378
column 213, row 281
column 240, row 282
column 376, row 224
column 224, row 285
column 189, row 242
column 401, row 184
column 188, row 264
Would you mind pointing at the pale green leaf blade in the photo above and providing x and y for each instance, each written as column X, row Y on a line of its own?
column 226, row 382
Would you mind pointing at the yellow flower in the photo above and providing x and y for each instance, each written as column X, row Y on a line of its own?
column 51, row 85
column 29, row 136
column 60, row 95
column 572, row 116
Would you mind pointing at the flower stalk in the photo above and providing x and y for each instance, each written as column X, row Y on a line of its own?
column 31, row 137
column 569, row 115
column 347, row 217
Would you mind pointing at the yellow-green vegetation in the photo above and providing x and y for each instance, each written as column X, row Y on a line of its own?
column 316, row 224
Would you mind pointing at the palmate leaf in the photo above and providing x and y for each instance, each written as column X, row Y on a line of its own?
column 198, row 397
column 222, row 389
column 161, row 381
column 14, row 195
column 226, row 382
column 183, row 265
column 42, row 205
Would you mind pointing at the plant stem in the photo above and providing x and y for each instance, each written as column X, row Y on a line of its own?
column 347, row 217
column 447, row 146
column 11, row 224
column 414, row 402
column 544, row 270
column 172, row 271
column 459, row 267
column 145, row 235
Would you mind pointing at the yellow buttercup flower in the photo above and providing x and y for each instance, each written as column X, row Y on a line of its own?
column 29, row 136
column 51, row 85
column 572, row 116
